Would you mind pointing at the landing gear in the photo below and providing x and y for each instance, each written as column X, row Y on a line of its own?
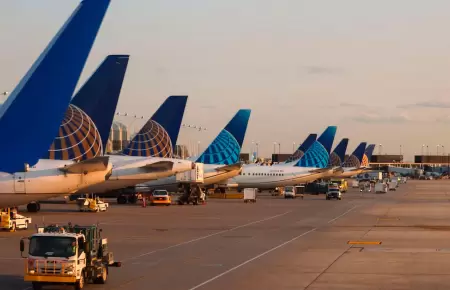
column 33, row 207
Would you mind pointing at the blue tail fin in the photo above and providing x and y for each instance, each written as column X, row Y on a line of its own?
column 338, row 155
column 367, row 155
column 226, row 148
column 159, row 135
column 302, row 148
column 99, row 96
column 319, row 153
column 43, row 95
column 355, row 159
column 87, row 124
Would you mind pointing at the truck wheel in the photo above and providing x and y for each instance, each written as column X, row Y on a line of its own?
column 103, row 277
column 26, row 225
column 13, row 227
column 80, row 283
column 36, row 285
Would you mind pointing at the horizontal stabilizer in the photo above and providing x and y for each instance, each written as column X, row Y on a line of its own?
column 320, row 170
column 338, row 170
column 158, row 166
column 91, row 165
column 229, row 168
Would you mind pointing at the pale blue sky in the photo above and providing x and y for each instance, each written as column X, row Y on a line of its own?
column 377, row 69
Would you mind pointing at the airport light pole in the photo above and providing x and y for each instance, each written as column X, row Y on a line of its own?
column 380, row 149
column 274, row 147
column 198, row 148
column 257, row 150
column 400, row 149
column 293, row 147
column 279, row 148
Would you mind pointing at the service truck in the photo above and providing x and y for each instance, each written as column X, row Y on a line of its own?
column 69, row 255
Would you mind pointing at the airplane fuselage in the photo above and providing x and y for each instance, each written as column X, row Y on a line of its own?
column 265, row 177
column 45, row 180
column 211, row 176
column 130, row 170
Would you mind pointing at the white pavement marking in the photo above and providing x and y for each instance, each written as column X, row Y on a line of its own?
column 205, row 237
column 330, row 221
column 267, row 252
column 252, row 259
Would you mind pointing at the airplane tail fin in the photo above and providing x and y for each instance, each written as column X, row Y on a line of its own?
column 99, row 96
column 367, row 155
column 318, row 154
column 43, row 95
column 85, row 129
column 226, row 147
column 302, row 148
column 338, row 155
column 159, row 135
column 355, row 160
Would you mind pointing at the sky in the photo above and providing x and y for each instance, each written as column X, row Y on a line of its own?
column 379, row 70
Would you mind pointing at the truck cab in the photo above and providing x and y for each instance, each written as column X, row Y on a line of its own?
column 333, row 192
column 70, row 255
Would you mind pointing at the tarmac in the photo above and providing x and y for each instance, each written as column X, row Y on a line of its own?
column 397, row 240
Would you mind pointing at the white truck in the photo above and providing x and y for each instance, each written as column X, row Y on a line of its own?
column 67, row 255
column 380, row 187
column 290, row 192
column 250, row 194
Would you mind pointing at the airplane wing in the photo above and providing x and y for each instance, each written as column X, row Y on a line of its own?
column 158, row 166
column 91, row 165
column 229, row 168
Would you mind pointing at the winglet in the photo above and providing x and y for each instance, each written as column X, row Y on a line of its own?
column 338, row 154
column 99, row 96
column 302, row 148
column 226, row 147
column 159, row 135
column 43, row 95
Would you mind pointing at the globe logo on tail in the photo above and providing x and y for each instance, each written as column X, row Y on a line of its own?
column 152, row 141
column 78, row 137
column 224, row 150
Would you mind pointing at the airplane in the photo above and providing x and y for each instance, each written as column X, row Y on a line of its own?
column 41, row 98
column 352, row 166
column 221, row 158
column 338, row 155
column 301, row 149
column 313, row 165
column 149, row 156
column 79, row 137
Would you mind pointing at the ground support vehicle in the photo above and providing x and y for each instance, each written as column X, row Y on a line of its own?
column 190, row 182
column 10, row 220
column 92, row 204
column 250, row 194
column 160, row 197
column 381, row 187
column 67, row 255
column 333, row 192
